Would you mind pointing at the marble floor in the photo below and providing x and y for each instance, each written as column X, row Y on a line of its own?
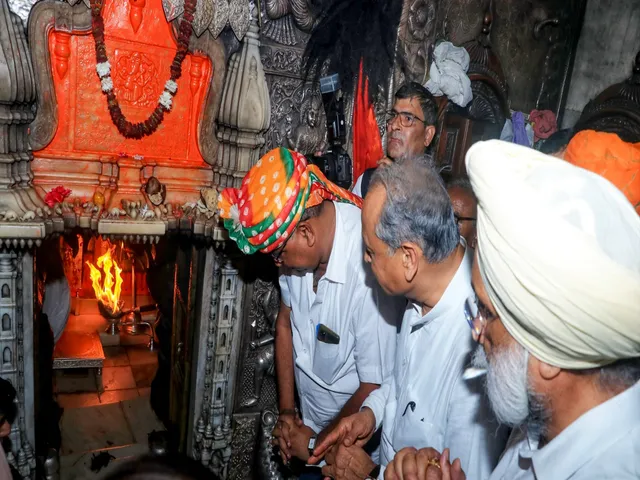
column 110, row 413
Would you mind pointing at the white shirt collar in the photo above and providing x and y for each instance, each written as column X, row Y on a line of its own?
column 592, row 432
column 450, row 297
column 337, row 266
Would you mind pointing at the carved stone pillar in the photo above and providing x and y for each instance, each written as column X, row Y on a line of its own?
column 216, row 362
column 16, row 353
column 17, row 98
column 244, row 112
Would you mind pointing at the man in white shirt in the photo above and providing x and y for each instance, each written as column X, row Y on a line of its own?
column 335, row 331
column 557, row 278
column 411, row 127
column 415, row 250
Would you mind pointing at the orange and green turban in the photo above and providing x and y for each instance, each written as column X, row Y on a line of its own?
column 264, row 211
column 610, row 157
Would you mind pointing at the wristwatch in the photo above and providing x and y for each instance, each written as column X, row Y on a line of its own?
column 312, row 444
column 373, row 475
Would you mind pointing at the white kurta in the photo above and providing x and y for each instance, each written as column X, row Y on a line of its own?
column 604, row 443
column 357, row 188
column 349, row 302
column 426, row 403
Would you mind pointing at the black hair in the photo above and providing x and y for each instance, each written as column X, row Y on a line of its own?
column 427, row 101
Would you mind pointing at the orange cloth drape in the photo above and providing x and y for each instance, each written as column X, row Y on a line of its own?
column 607, row 155
column 367, row 143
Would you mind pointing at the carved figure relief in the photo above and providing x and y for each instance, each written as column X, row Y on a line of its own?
column 269, row 302
column 259, row 359
column 290, row 101
column 284, row 17
column 308, row 135
column 135, row 79
column 417, row 28
column 460, row 21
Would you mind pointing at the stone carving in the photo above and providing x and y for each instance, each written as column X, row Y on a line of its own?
column 212, row 435
column 16, row 346
column 268, row 461
column 417, row 28
column 279, row 60
column 213, row 15
column 268, row 300
column 245, row 431
column 239, row 17
column 460, row 21
column 135, row 79
column 200, row 105
column 292, row 102
column 17, row 97
column 244, row 113
column 309, row 135
column 303, row 12
column 21, row 8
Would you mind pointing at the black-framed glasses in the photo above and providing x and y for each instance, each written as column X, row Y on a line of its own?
column 406, row 119
column 460, row 219
column 277, row 253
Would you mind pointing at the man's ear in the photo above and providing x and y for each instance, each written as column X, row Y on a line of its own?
column 546, row 371
column 411, row 254
column 429, row 133
column 307, row 233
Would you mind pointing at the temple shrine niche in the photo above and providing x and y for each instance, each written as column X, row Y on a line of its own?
column 81, row 148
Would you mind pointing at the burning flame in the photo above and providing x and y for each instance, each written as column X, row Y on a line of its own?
column 108, row 293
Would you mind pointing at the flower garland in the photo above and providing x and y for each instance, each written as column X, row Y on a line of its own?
column 103, row 68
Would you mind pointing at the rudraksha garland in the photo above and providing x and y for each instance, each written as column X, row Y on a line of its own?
column 103, row 68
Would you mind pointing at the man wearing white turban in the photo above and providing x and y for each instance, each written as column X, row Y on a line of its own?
column 557, row 280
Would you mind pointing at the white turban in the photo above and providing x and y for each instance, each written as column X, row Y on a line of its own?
column 559, row 254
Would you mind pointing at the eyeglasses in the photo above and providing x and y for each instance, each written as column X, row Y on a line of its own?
column 477, row 315
column 277, row 253
column 406, row 119
column 460, row 219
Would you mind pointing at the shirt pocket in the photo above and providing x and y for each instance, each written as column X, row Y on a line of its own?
column 327, row 361
column 415, row 427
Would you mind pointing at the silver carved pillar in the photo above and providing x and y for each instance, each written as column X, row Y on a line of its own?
column 16, row 353
column 216, row 363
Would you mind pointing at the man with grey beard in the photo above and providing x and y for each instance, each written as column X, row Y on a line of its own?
column 557, row 308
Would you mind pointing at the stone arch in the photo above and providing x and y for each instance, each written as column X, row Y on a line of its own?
column 6, row 356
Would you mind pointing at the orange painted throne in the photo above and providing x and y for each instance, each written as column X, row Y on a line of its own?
column 74, row 141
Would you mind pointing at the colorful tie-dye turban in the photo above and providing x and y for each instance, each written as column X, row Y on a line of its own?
column 274, row 194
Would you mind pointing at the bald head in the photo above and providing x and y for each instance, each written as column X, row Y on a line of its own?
column 465, row 207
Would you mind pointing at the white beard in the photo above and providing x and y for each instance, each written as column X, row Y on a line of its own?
column 507, row 385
